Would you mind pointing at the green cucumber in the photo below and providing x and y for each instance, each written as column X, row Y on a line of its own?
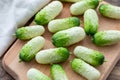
column 70, row 0
column 34, row 74
column 84, row 69
column 54, row 55
column 48, row 13
column 68, row 37
column 90, row 56
column 108, row 37
column 91, row 22
column 110, row 11
column 26, row 33
column 30, row 49
column 80, row 7
column 62, row 24
column 57, row 72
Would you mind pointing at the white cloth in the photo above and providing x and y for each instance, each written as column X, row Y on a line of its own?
column 13, row 14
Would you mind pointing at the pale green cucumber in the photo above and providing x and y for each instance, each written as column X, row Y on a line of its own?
column 62, row 24
column 91, row 22
column 48, row 13
column 80, row 7
column 30, row 49
column 90, row 56
column 54, row 55
column 57, row 72
column 68, row 37
column 84, row 69
column 26, row 33
column 34, row 74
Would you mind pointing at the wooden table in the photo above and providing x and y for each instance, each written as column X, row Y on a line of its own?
column 115, row 74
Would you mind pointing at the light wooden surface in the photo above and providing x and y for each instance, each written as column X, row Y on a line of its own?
column 18, row 70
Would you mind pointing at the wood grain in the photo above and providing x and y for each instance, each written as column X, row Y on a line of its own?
column 11, row 64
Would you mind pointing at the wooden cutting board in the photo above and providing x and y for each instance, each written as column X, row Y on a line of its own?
column 112, row 53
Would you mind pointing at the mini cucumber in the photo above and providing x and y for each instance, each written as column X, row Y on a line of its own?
column 80, row 7
column 75, row 0
column 90, row 22
column 70, row 0
column 29, row 50
column 110, row 11
column 62, row 24
column 108, row 37
column 26, row 33
column 57, row 72
column 84, row 69
column 55, row 55
column 68, row 37
column 48, row 13
column 90, row 56
column 34, row 74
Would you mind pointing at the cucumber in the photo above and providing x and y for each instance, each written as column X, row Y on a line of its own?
column 80, row 7
column 110, row 11
column 91, row 22
column 84, row 69
column 62, row 24
column 48, row 13
column 75, row 0
column 54, row 55
column 68, row 37
column 93, row 57
column 34, row 74
column 26, row 33
column 57, row 72
column 70, row 0
column 29, row 50
column 105, row 38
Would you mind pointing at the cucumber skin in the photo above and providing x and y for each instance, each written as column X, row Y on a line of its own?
column 29, row 50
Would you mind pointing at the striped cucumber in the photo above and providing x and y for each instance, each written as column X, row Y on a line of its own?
column 54, row 55
column 57, row 72
column 80, row 7
column 68, row 37
column 48, row 13
column 34, row 74
column 62, row 24
column 91, row 22
column 90, row 56
column 26, row 33
column 29, row 50
column 84, row 69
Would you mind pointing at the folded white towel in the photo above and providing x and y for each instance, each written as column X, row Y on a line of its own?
column 13, row 14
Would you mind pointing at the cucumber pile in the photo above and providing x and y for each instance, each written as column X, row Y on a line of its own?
column 67, row 32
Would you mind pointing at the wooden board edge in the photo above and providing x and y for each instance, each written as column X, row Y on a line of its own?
column 112, row 67
column 7, row 69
